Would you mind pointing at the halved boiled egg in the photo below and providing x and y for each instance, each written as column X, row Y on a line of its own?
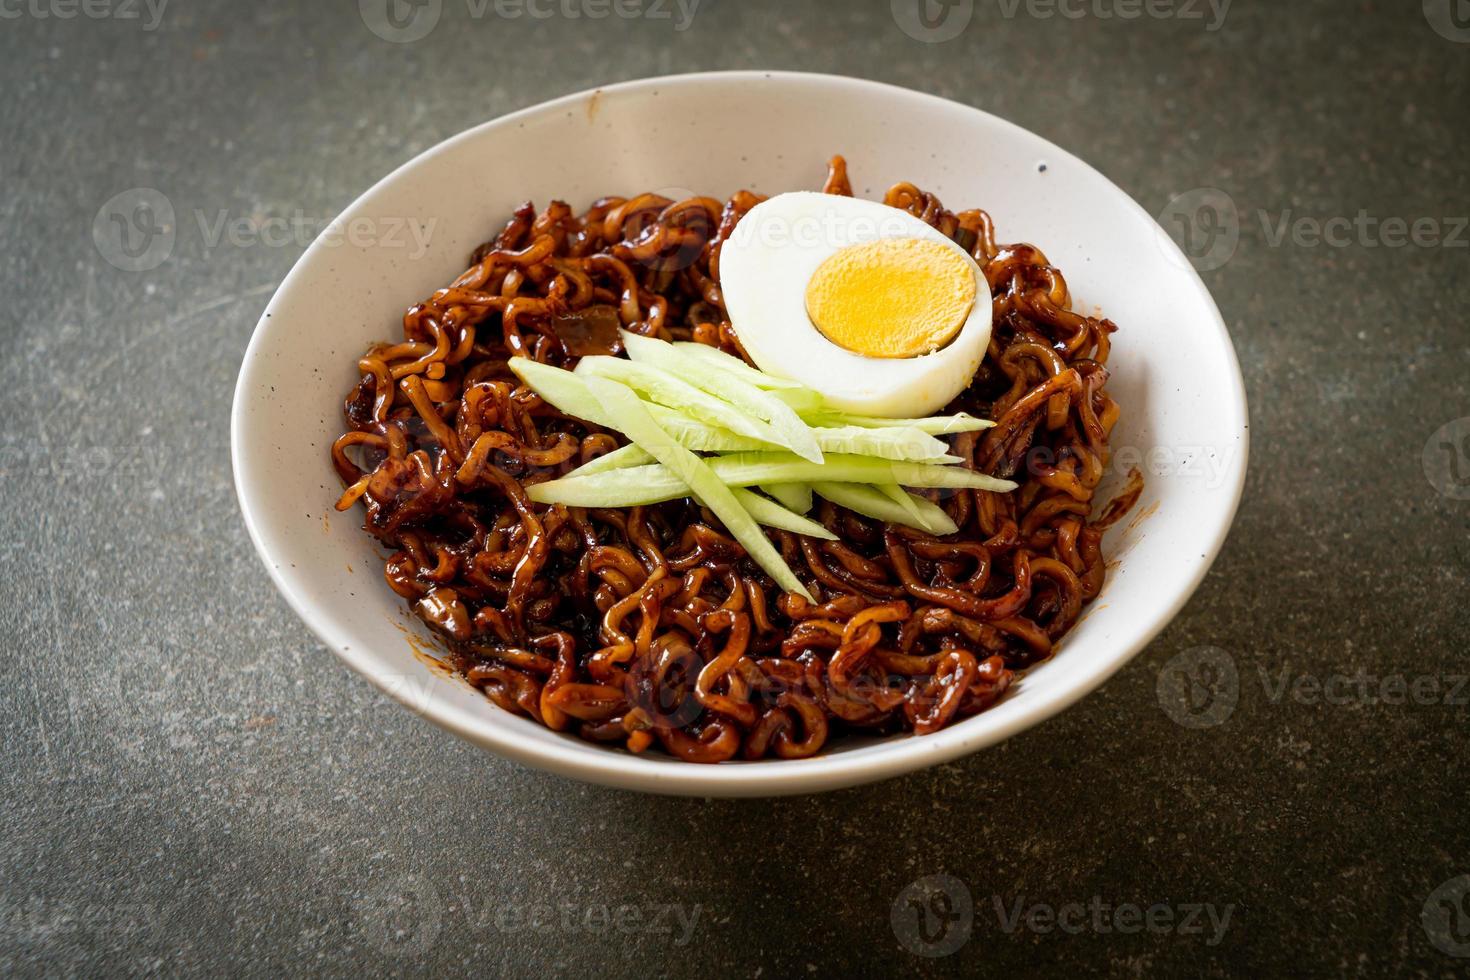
column 864, row 303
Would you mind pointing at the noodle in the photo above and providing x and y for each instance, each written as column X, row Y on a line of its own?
column 649, row 626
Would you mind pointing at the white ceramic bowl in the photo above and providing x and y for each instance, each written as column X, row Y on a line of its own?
column 1175, row 372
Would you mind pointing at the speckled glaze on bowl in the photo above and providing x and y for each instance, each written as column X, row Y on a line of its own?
column 1175, row 373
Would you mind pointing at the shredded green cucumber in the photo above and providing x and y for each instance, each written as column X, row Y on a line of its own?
column 792, row 432
column 902, row 440
column 900, row 496
column 938, row 425
column 746, row 469
column 641, row 485
column 660, row 386
column 772, row 514
column 563, row 389
column 618, row 459
column 637, row 486
column 734, row 365
column 700, row 436
column 569, row 394
column 672, row 400
column 871, row 502
column 793, row 496
column 633, row 420
column 902, row 444
column 802, row 401
column 940, row 523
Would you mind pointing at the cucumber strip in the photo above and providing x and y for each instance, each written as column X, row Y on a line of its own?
column 902, row 444
column 900, row 496
column 772, row 514
column 638, row 486
column 700, row 436
column 793, row 433
column 940, row 523
column 576, row 493
column 938, row 425
column 634, row 421
column 734, row 365
column 618, row 459
column 766, row 512
column 802, row 401
column 745, row 469
column 871, row 502
column 563, row 389
column 569, row 394
column 654, row 484
column 899, row 445
column 790, row 495
column 793, row 496
column 660, row 386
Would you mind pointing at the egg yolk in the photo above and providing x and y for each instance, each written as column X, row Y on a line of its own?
column 896, row 297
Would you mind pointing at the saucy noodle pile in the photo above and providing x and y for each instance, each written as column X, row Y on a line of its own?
column 649, row 626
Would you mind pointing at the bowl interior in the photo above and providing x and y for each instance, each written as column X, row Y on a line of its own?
column 1174, row 371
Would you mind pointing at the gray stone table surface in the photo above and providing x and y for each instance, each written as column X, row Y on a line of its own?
column 189, row 782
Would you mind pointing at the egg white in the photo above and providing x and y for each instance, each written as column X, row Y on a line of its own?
column 764, row 270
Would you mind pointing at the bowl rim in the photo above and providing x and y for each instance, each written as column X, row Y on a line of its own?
column 824, row 772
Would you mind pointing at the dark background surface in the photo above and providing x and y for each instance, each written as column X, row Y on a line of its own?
column 190, row 782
